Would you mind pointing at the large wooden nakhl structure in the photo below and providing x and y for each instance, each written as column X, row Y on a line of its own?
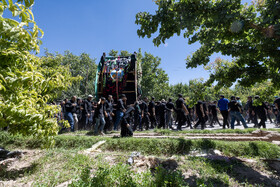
column 118, row 75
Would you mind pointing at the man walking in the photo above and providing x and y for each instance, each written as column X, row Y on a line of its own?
column 152, row 112
column 70, row 114
column 120, row 110
column 170, row 107
column 235, row 112
column 182, row 111
column 100, row 114
column 223, row 106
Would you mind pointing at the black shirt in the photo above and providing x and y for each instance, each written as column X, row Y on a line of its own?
column 120, row 105
column 179, row 104
column 234, row 106
column 198, row 108
column 151, row 106
column 69, row 107
column 100, row 110
column 109, row 106
column 170, row 106
column 162, row 108
column 88, row 106
column 213, row 109
column 144, row 107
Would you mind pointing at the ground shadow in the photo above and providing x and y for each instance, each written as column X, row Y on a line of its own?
column 15, row 174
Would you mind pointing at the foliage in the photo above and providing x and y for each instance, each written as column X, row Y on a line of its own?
column 27, row 82
column 82, row 68
column 154, row 79
column 122, row 175
column 248, row 33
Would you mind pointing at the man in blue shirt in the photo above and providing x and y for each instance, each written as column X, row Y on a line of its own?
column 223, row 106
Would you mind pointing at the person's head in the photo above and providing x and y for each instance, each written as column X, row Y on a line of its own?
column 232, row 98
column 250, row 98
column 153, row 98
column 110, row 97
column 104, row 54
column 90, row 97
column 163, row 101
column 74, row 98
column 65, row 100
column 103, row 100
column 123, row 97
column 180, row 95
column 237, row 98
column 146, row 99
column 215, row 102
column 169, row 100
column 222, row 96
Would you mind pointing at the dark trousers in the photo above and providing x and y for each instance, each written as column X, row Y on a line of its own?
column 145, row 121
column 201, row 121
column 137, row 122
column 214, row 120
column 262, row 122
column 181, row 118
column 162, row 120
column 153, row 121
column 225, row 118
column 109, row 123
column 126, row 131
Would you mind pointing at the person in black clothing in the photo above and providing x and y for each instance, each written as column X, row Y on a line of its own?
column 157, row 110
column 121, row 109
column 268, row 111
column 213, row 110
column 182, row 111
column 162, row 114
column 250, row 107
column 170, row 107
column 200, row 113
column 259, row 109
column 70, row 108
column 99, row 115
column 89, row 110
column 137, row 117
column 277, row 113
column 126, row 129
column 152, row 113
column 110, row 114
column 145, row 113
column 235, row 112
column 205, row 111
column 102, row 59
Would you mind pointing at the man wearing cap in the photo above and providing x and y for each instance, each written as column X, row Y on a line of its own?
column 182, row 112
column 235, row 112
column 152, row 113
column 223, row 106
column 120, row 110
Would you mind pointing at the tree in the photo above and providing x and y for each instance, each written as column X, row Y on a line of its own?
column 82, row 67
column 248, row 33
column 155, row 82
column 27, row 82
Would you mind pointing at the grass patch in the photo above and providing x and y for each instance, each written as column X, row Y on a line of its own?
column 168, row 146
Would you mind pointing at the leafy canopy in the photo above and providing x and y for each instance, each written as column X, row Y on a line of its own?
column 250, row 33
column 27, row 82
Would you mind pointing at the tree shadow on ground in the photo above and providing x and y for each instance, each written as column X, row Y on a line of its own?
column 194, row 181
column 242, row 173
column 14, row 174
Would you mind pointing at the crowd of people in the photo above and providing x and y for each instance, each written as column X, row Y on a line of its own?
column 107, row 115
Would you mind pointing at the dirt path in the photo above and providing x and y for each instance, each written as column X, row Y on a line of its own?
column 258, row 135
